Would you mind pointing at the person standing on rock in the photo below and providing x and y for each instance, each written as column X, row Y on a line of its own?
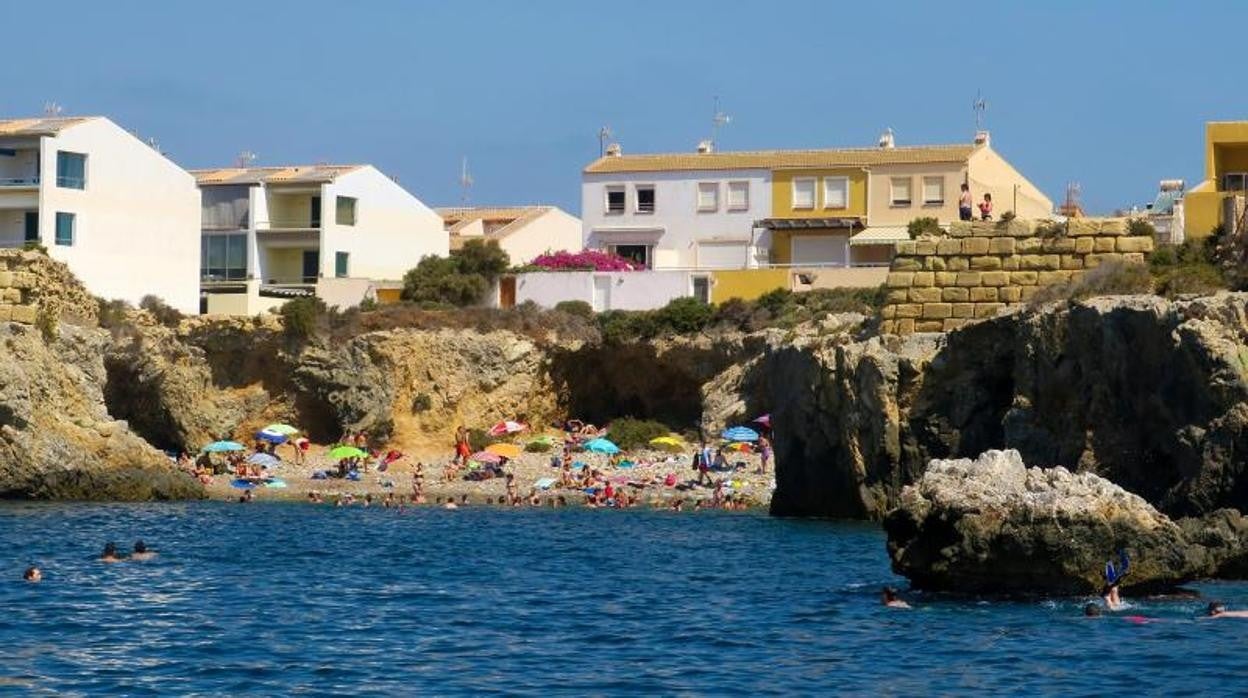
column 964, row 203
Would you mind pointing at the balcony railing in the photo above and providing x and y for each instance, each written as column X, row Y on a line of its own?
column 290, row 224
column 19, row 182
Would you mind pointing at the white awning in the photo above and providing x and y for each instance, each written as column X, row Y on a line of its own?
column 627, row 236
column 881, row 235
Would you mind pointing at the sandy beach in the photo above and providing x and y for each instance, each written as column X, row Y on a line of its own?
column 743, row 482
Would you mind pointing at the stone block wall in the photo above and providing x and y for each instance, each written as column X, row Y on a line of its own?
column 31, row 282
column 982, row 268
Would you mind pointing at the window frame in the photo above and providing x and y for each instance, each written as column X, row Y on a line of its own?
column 743, row 184
column 845, row 202
column 65, row 181
column 609, row 189
column 355, row 210
column 814, row 193
column 893, row 201
column 73, row 229
column 713, row 187
column 342, row 265
column 923, row 190
column 1243, row 178
column 654, row 198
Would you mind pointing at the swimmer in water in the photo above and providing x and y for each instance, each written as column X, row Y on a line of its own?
column 889, row 598
column 110, row 553
column 32, row 575
column 1113, row 578
column 1091, row 610
column 1217, row 609
column 141, row 552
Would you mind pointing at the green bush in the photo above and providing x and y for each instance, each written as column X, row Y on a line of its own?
column 1189, row 268
column 1109, row 279
column 301, row 317
column 684, row 316
column 580, row 309
column 163, row 313
column 617, row 326
column 629, row 433
column 112, row 314
column 539, row 446
column 924, row 225
column 478, row 439
column 32, row 246
column 1139, row 226
column 461, row 279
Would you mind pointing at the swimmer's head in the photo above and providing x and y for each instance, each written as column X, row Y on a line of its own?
column 32, row 574
column 1216, row 607
column 110, row 550
column 140, row 546
column 1091, row 610
column 888, row 594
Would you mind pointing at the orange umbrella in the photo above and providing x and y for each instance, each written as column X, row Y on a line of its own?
column 504, row 450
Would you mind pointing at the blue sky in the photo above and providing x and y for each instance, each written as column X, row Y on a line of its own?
column 1113, row 95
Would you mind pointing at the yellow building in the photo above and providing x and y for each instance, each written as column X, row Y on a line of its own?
column 1206, row 205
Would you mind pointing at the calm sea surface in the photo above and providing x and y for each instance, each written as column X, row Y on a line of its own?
column 284, row 599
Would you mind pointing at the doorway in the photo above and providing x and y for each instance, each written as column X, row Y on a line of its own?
column 507, row 292
column 311, row 266
column 602, row 293
column 314, row 215
column 32, row 226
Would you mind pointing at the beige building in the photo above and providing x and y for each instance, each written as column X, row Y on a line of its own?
column 523, row 232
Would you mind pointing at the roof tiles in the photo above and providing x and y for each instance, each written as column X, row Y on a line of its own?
column 781, row 159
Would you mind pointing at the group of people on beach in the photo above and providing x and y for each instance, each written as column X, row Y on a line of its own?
column 110, row 554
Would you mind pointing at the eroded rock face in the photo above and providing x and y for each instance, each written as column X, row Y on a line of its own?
column 57, row 439
column 994, row 525
column 1148, row 393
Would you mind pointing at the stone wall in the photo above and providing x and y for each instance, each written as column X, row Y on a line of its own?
column 32, row 282
column 982, row 268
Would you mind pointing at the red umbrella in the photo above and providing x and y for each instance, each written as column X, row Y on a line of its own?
column 506, row 427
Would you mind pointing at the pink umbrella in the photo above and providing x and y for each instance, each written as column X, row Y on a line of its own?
column 765, row 420
column 486, row 457
column 506, row 427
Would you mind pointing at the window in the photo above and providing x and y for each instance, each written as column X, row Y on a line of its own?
column 615, row 199
column 639, row 255
column 702, row 288
column 223, row 257
column 899, row 195
column 933, row 190
column 65, row 223
column 836, row 192
column 344, row 210
column 708, row 196
column 341, row 261
column 738, row 196
column 804, row 192
column 31, row 225
column 71, row 170
column 1235, row 181
column 645, row 198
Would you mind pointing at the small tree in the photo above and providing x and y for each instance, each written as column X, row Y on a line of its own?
column 924, row 225
column 301, row 317
column 164, row 313
column 460, row 279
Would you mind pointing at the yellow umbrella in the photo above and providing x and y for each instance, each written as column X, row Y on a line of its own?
column 504, row 450
column 667, row 441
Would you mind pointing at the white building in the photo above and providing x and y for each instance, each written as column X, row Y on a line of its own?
column 121, row 215
column 672, row 214
column 523, row 232
column 341, row 232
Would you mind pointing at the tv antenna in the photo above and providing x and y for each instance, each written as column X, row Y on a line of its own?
column 52, row 109
column 979, row 106
column 718, row 120
column 465, row 181
column 245, row 158
column 604, row 135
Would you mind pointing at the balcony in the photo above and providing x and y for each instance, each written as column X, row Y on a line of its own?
column 281, row 225
column 19, row 182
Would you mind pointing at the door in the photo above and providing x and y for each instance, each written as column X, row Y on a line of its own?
column 311, row 266
column 314, row 214
column 507, row 292
column 702, row 288
column 32, row 226
column 821, row 250
column 602, row 293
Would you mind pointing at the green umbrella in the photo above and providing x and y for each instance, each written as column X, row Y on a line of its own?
column 346, row 452
column 283, row 429
column 223, row 447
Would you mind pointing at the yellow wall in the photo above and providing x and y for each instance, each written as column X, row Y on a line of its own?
column 1226, row 150
column 388, row 295
column 1202, row 212
column 285, row 265
column 290, row 210
column 782, row 194
column 746, row 284
column 1218, row 135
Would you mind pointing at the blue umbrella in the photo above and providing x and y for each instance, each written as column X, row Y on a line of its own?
column 242, row 485
column 224, row 446
column 601, row 445
column 264, row 460
column 740, row 434
column 271, row 436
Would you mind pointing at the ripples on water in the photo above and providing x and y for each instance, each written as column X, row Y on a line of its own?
column 281, row 599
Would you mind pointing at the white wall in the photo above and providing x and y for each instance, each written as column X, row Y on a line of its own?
column 629, row 290
column 553, row 231
column 392, row 232
column 677, row 223
column 138, row 219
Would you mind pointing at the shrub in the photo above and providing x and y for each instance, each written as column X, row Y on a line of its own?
column 538, row 446
column 1189, row 268
column 777, row 301
column 483, row 257
column 368, row 305
column 1139, row 226
column 1109, row 279
column 478, row 439
column 580, row 309
column 32, row 246
column 161, row 311
column 1006, row 218
column 460, row 279
column 1051, row 229
column 585, row 260
column 924, row 225
column 301, row 317
column 48, row 324
column 112, row 314
column 629, row 433
column 684, row 315
column 619, row 326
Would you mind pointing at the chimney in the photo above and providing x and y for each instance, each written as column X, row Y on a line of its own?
column 614, row 150
column 887, row 140
column 982, row 139
column 705, row 147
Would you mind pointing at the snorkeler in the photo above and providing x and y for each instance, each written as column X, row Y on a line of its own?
column 141, row 552
column 110, row 553
column 1217, row 609
column 889, row 598
column 1113, row 578
column 33, row 574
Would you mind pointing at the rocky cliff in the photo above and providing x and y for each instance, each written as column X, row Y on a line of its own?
column 1148, row 393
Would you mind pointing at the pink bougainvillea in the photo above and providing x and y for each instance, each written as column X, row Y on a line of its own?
column 582, row 261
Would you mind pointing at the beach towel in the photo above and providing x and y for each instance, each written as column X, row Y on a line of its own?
column 544, row 483
column 625, row 464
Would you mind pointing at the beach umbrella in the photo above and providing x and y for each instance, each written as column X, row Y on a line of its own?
column 486, row 457
column 740, row 434
column 508, row 451
column 601, row 445
column 740, row 447
column 223, row 447
column 283, row 429
column 765, row 420
column 544, row 439
column 507, row 427
column 271, row 436
column 346, row 452
column 264, row 460
column 242, row 485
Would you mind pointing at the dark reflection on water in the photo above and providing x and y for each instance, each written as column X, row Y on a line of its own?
column 284, row 599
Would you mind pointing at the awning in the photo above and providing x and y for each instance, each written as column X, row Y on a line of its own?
column 806, row 223
column 881, row 235
column 627, row 236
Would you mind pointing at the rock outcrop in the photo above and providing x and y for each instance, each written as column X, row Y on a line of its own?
column 1149, row 393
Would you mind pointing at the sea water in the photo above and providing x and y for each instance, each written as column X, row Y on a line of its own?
column 286, row 598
